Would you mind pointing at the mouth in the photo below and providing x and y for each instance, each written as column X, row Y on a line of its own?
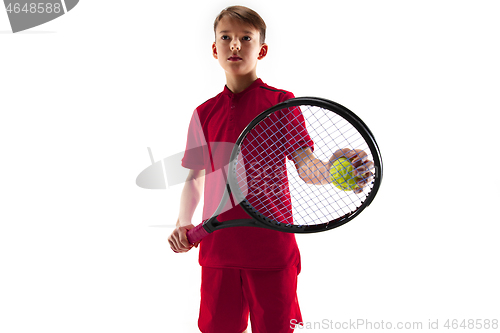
column 234, row 58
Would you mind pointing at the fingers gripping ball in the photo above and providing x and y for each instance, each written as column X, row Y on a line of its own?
column 341, row 175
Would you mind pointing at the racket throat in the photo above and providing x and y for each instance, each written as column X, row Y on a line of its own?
column 233, row 223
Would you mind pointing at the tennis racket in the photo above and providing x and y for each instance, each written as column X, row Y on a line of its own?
column 279, row 170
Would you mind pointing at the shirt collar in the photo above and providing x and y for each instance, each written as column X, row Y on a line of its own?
column 255, row 84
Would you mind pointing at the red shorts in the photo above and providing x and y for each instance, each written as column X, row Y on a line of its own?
column 229, row 295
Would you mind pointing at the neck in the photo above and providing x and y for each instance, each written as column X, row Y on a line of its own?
column 239, row 83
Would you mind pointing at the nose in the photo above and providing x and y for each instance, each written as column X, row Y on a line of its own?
column 235, row 45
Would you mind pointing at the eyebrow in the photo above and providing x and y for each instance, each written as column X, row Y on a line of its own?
column 226, row 31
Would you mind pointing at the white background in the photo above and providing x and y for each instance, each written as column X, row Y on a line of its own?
column 83, row 96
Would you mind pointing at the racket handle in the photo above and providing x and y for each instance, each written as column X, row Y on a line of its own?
column 196, row 234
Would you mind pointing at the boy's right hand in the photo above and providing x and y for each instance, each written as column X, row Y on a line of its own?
column 178, row 240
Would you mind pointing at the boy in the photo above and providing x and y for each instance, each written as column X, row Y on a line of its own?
column 245, row 270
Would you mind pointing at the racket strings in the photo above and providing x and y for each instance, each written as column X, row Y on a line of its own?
column 274, row 153
column 272, row 185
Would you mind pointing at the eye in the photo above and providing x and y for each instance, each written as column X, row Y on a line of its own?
column 247, row 38
column 224, row 37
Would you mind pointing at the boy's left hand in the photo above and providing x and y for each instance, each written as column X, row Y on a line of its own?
column 363, row 167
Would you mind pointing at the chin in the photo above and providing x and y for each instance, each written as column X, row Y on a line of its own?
column 239, row 71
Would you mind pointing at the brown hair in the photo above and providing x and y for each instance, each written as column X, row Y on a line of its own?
column 245, row 15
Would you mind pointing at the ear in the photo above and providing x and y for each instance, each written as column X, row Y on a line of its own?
column 214, row 51
column 263, row 51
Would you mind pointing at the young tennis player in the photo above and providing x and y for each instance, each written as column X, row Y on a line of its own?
column 245, row 270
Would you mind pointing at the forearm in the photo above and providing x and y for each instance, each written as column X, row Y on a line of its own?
column 310, row 168
column 314, row 171
column 190, row 197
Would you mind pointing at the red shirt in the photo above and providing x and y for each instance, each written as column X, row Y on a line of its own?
column 214, row 128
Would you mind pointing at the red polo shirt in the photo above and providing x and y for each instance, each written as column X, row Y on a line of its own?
column 214, row 128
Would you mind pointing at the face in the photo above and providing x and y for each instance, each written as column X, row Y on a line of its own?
column 237, row 47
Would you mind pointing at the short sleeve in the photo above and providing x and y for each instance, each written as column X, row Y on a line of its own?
column 196, row 145
column 296, row 134
column 286, row 96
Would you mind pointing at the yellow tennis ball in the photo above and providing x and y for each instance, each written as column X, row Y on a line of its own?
column 341, row 175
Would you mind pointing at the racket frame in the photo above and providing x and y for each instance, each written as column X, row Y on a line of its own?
column 256, row 219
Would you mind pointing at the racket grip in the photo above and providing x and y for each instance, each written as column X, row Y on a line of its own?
column 196, row 234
